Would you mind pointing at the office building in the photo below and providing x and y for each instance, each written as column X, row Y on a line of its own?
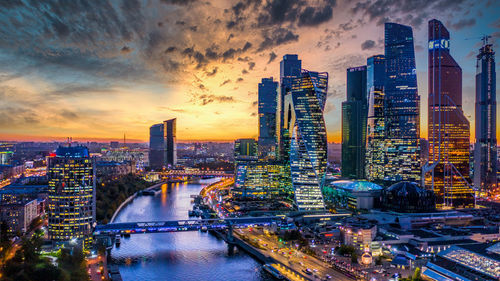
column 485, row 153
column 354, row 114
column 401, row 105
column 163, row 145
column 71, row 199
column 245, row 149
column 262, row 180
column 447, row 172
column 268, row 93
column 307, row 138
column 18, row 216
column 290, row 68
column 375, row 169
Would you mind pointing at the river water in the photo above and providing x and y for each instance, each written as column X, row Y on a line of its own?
column 188, row 255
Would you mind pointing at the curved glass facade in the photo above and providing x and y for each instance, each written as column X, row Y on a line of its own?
column 307, row 137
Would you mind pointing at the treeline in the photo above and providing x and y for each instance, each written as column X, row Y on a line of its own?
column 29, row 264
column 109, row 195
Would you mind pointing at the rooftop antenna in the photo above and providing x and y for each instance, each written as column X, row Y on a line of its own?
column 485, row 39
column 124, row 142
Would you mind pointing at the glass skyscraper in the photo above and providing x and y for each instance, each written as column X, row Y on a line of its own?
column 485, row 154
column 354, row 114
column 290, row 68
column 163, row 145
column 71, row 195
column 375, row 168
column 307, row 135
column 447, row 172
column 401, row 104
column 267, row 117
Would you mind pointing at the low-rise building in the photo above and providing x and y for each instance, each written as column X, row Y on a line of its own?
column 18, row 216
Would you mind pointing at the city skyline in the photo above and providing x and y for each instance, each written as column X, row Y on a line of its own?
column 140, row 74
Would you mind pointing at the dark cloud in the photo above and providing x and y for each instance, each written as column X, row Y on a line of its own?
column 463, row 23
column 312, row 16
column 179, row 2
column 125, row 50
column 206, row 99
column 251, row 65
column 213, row 72
column 244, row 71
column 367, row 45
column 277, row 37
column 170, row 49
column 239, row 79
column 68, row 114
column 272, row 57
column 300, row 12
column 225, row 82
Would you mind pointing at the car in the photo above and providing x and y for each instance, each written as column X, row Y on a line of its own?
column 328, row 276
column 315, row 270
column 307, row 271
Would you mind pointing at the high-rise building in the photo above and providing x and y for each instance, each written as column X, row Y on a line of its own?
column 375, row 168
column 485, row 153
column 354, row 114
column 262, row 180
column 305, row 124
column 401, row 103
column 163, row 145
column 447, row 172
column 267, row 117
column 245, row 148
column 71, row 194
column 290, row 68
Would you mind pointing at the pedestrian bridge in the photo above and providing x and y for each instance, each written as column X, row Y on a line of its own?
column 185, row 225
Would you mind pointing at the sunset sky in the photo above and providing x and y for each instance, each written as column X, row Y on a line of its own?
column 98, row 69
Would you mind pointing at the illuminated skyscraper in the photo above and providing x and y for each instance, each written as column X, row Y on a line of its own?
column 71, row 199
column 354, row 114
column 401, row 103
column 267, row 117
column 375, row 142
column 290, row 68
column 448, row 167
column 485, row 154
column 307, row 137
column 163, row 145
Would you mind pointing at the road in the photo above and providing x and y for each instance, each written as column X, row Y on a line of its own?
column 297, row 260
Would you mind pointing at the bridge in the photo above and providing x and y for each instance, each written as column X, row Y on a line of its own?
column 185, row 225
column 195, row 173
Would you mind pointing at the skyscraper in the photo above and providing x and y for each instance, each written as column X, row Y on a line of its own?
column 71, row 199
column 290, row 68
column 162, row 145
column 401, row 104
column 485, row 154
column 448, row 167
column 267, row 117
column 375, row 138
column 307, row 137
column 354, row 114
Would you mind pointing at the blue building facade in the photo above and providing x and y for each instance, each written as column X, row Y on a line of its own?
column 354, row 114
column 401, row 104
column 290, row 68
column 375, row 169
column 267, row 117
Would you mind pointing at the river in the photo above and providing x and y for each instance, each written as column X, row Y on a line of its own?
column 180, row 255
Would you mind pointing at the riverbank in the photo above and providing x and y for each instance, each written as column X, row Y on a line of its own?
column 131, row 198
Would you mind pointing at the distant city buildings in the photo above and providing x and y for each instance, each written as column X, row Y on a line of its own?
column 71, row 194
column 485, row 153
column 267, row 95
column 401, row 104
column 306, row 130
column 262, row 180
column 447, row 172
column 163, row 145
column 354, row 115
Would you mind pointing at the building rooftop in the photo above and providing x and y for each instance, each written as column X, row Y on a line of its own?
column 356, row 185
column 72, row 151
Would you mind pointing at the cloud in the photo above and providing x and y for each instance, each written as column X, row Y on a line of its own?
column 213, row 72
column 225, row 82
column 277, row 37
column 125, row 50
column 367, row 45
column 207, row 99
column 463, row 23
column 272, row 57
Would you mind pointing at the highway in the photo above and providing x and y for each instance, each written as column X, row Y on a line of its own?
column 319, row 270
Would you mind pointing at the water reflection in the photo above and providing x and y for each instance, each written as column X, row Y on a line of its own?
column 177, row 256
